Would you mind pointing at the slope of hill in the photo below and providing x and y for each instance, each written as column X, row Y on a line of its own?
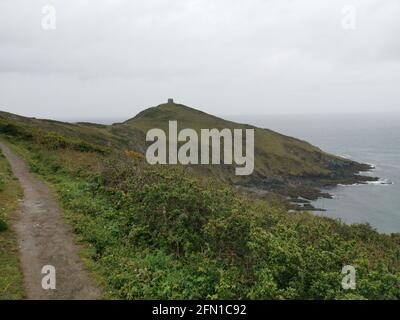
column 283, row 165
column 159, row 232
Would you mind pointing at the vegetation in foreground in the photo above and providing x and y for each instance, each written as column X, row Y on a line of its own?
column 160, row 233
column 11, row 286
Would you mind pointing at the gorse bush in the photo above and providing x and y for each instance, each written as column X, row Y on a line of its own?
column 168, row 209
column 158, row 233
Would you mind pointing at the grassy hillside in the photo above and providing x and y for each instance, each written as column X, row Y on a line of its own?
column 283, row 165
column 166, row 232
column 156, row 232
column 11, row 275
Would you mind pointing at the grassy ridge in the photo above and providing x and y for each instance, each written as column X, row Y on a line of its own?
column 155, row 232
column 11, row 286
column 50, row 140
column 283, row 165
column 275, row 154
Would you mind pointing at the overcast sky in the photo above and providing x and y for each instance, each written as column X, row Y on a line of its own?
column 113, row 58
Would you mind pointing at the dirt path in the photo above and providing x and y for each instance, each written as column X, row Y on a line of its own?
column 45, row 239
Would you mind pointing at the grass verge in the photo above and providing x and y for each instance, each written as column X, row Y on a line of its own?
column 11, row 279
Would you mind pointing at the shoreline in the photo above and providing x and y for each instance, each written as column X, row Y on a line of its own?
column 301, row 192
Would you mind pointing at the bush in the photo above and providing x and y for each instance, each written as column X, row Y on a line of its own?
column 158, row 233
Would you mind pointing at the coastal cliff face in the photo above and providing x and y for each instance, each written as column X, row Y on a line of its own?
column 283, row 165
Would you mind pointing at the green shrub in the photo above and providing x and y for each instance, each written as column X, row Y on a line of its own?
column 158, row 233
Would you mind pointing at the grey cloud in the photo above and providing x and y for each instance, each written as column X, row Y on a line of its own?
column 111, row 58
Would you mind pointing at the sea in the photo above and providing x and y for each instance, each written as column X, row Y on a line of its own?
column 368, row 138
